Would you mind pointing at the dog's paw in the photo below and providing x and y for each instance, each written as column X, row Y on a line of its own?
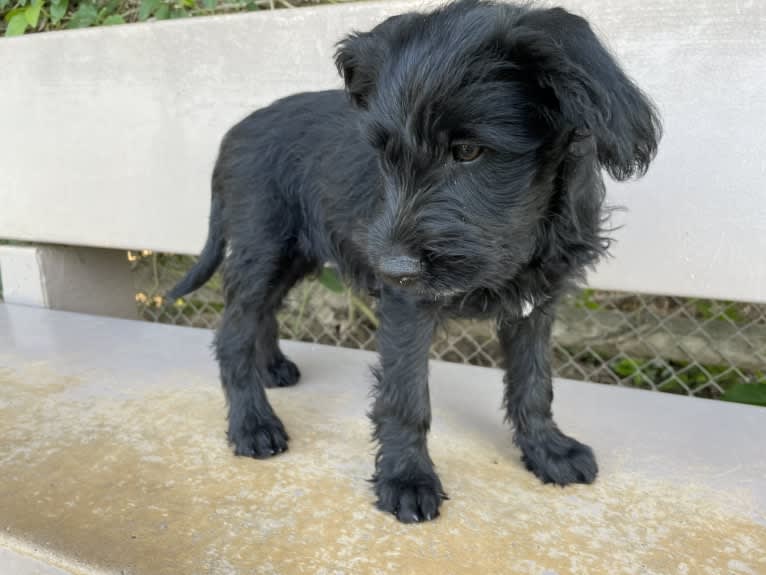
column 260, row 440
column 282, row 373
column 411, row 499
column 556, row 458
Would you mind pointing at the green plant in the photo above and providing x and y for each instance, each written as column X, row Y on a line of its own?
column 586, row 299
column 710, row 309
column 19, row 17
column 630, row 369
column 331, row 280
column 752, row 393
column 678, row 377
column 22, row 16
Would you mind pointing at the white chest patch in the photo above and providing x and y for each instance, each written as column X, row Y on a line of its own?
column 527, row 307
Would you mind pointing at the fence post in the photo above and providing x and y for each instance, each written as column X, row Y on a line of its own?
column 80, row 279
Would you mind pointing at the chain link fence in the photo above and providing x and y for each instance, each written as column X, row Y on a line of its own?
column 686, row 346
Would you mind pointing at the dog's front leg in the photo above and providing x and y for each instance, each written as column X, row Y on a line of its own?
column 405, row 481
column 548, row 453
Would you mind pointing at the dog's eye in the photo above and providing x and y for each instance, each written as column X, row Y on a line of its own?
column 466, row 152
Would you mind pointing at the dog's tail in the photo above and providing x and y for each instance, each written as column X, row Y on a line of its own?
column 210, row 258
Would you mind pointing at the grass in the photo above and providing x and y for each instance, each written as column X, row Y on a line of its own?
column 18, row 17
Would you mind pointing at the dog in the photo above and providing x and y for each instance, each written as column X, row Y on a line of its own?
column 458, row 174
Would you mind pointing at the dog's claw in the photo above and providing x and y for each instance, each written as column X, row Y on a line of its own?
column 259, row 440
column 411, row 501
column 559, row 459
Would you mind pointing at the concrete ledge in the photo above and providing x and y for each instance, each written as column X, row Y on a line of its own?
column 113, row 459
column 18, row 563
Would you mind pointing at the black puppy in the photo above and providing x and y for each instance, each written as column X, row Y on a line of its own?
column 459, row 175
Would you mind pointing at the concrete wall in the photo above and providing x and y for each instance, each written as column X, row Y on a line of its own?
column 116, row 130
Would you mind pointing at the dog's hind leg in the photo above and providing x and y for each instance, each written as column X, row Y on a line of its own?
column 549, row 454
column 248, row 349
column 405, row 481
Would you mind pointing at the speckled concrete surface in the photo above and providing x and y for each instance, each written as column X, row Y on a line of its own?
column 113, row 459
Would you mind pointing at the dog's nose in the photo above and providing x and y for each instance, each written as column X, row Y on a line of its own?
column 400, row 270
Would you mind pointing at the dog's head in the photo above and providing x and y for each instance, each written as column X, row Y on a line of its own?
column 492, row 123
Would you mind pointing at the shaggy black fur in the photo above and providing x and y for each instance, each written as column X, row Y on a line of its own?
column 459, row 175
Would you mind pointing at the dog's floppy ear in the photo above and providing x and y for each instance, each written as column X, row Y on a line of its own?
column 592, row 93
column 357, row 58
column 360, row 55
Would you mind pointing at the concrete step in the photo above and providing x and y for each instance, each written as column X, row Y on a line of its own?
column 113, row 460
